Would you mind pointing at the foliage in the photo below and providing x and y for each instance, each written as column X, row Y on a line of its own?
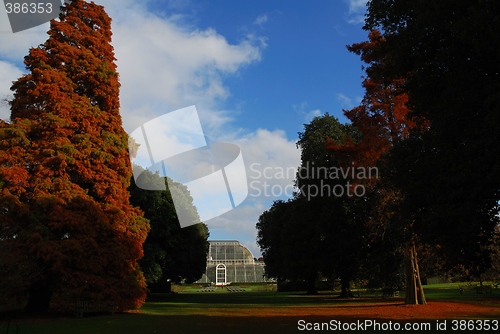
column 170, row 252
column 330, row 241
column 269, row 238
column 449, row 58
column 383, row 120
column 67, row 227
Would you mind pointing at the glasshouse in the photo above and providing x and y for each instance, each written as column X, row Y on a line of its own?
column 231, row 262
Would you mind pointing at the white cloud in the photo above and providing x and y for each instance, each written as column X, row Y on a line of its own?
column 356, row 19
column 260, row 20
column 306, row 111
column 357, row 9
column 271, row 159
column 345, row 101
column 164, row 66
column 240, row 222
column 15, row 46
column 356, row 6
column 313, row 113
column 8, row 73
column 271, row 162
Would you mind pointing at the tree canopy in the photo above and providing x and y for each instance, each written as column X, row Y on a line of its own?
column 171, row 253
column 312, row 234
column 68, row 229
column 449, row 174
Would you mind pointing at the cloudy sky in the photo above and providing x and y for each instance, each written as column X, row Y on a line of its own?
column 256, row 70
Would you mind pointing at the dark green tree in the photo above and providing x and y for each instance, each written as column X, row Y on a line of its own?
column 270, row 239
column 171, row 253
column 320, row 231
column 334, row 202
column 449, row 175
column 288, row 237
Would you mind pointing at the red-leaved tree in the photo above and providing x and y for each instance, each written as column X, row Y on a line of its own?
column 68, row 231
column 383, row 117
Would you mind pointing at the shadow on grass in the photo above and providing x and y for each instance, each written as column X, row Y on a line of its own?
column 231, row 313
column 143, row 323
column 260, row 298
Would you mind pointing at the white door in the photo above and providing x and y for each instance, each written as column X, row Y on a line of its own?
column 220, row 274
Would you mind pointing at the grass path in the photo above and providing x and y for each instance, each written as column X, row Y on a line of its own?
column 265, row 312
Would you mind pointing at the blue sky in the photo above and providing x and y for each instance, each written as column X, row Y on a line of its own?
column 256, row 71
column 304, row 65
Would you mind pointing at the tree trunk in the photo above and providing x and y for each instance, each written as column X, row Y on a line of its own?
column 311, row 289
column 346, row 288
column 39, row 299
column 414, row 291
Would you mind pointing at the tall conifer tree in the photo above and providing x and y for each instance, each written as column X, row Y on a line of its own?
column 64, row 173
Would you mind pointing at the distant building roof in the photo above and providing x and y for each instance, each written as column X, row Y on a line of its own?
column 229, row 261
column 228, row 251
column 224, row 241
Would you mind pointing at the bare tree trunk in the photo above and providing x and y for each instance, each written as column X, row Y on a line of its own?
column 346, row 289
column 39, row 299
column 414, row 291
column 311, row 290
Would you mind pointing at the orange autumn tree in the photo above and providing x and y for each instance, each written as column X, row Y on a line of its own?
column 68, row 231
column 383, row 117
column 382, row 120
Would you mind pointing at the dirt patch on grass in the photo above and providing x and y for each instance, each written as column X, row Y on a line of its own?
column 383, row 310
column 183, row 315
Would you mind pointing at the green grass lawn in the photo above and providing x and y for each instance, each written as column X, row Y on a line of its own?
column 252, row 311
